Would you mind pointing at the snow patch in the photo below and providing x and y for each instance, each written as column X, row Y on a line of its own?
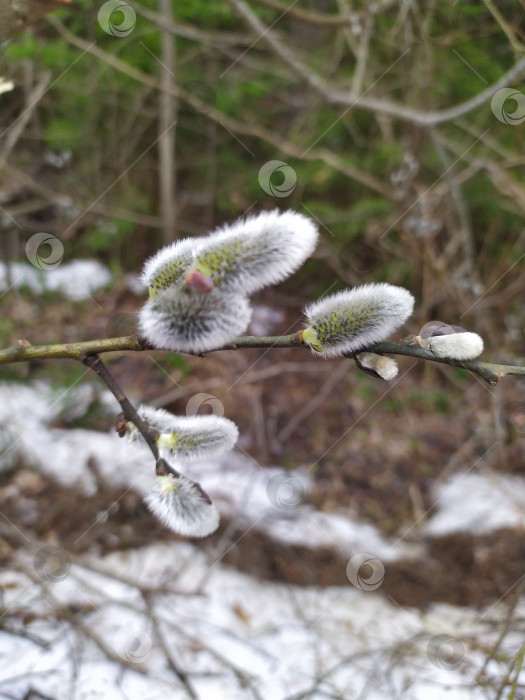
column 478, row 503
column 264, row 319
column 230, row 633
column 77, row 279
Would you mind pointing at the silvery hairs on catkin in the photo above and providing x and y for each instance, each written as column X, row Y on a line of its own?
column 188, row 437
column 182, row 506
column 199, row 287
column 255, row 252
column 354, row 319
column 178, row 320
column 169, row 265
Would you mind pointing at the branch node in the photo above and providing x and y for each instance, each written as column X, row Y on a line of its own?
column 162, row 468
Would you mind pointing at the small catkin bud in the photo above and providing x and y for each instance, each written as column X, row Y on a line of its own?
column 379, row 366
column 181, row 320
column 257, row 251
column 355, row 319
column 168, row 267
column 198, row 283
column 450, row 342
column 183, row 506
column 188, row 437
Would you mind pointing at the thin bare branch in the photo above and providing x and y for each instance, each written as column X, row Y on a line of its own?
column 24, row 352
column 18, row 126
column 95, row 363
column 232, row 125
column 341, row 97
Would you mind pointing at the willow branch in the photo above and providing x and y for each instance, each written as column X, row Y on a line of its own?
column 150, row 436
column 25, row 352
column 84, row 352
column 488, row 371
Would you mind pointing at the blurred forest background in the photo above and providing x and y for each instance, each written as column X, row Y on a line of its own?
column 130, row 125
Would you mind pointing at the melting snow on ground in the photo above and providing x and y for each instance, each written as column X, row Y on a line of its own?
column 148, row 622
column 77, row 280
column 171, row 621
column 479, row 503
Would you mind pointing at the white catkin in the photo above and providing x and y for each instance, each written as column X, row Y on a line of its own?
column 257, row 251
column 182, row 506
column 189, row 437
column 169, row 265
column 456, row 346
column 354, row 319
column 385, row 367
column 179, row 320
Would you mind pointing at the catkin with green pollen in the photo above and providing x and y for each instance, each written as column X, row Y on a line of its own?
column 187, row 437
column 182, row 506
column 199, row 287
column 168, row 267
column 352, row 320
column 255, row 252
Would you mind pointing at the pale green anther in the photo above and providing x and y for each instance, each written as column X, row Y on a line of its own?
column 167, row 484
column 310, row 338
column 205, row 269
column 223, row 261
column 168, row 440
column 354, row 319
column 171, row 274
column 152, row 292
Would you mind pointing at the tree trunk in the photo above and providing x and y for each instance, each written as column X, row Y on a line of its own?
column 167, row 118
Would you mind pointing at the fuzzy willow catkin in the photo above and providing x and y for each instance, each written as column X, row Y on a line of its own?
column 176, row 319
column 353, row 320
column 188, row 437
column 199, row 287
column 182, row 506
column 168, row 267
column 379, row 366
column 257, row 251
column 451, row 342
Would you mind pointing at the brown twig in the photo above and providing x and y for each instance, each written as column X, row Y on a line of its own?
column 24, row 352
column 150, row 436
